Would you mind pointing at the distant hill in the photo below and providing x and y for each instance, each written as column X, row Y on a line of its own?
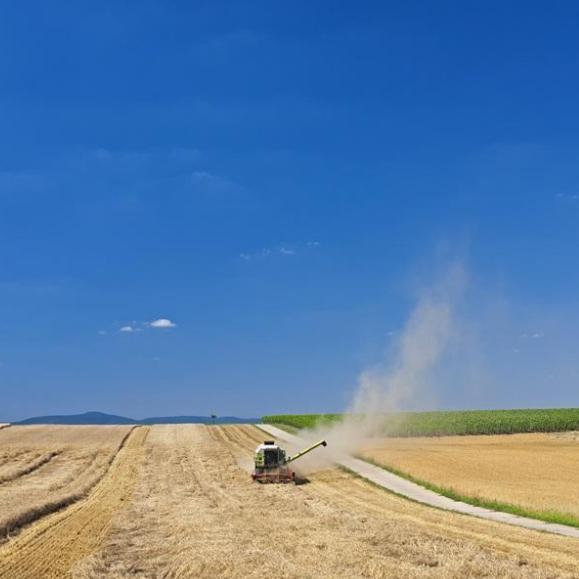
column 103, row 418
column 86, row 418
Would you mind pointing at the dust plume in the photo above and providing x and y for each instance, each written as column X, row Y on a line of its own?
column 404, row 379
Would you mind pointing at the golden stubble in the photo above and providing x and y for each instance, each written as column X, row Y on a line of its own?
column 196, row 513
column 45, row 468
column 55, row 542
column 536, row 471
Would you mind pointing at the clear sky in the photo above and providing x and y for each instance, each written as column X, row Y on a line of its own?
column 270, row 177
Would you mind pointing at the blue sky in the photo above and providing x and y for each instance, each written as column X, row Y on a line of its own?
column 273, row 178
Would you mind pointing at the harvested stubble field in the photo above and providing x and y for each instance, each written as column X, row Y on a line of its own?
column 44, row 468
column 538, row 472
column 177, row 501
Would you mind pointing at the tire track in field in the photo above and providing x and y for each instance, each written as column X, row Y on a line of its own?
column 243, row 438
column 28, row 468
column 59, row 495
column 7, row 457
column 49, row 548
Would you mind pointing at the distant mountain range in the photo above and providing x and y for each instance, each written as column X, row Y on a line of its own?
column 102, row 418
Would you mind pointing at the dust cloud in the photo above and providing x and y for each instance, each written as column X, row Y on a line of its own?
column 404, row 379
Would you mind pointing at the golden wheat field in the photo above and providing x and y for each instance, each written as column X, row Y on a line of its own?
column 46, row 468
column 537, row 471
column 177, row 501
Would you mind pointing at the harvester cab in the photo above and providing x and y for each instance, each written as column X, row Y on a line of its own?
column 271, row 462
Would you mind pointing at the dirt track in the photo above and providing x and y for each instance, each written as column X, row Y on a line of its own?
column 50, row 547
column 178, row 503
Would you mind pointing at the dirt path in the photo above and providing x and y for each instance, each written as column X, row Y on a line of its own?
column 50, row 547
column 196, row 513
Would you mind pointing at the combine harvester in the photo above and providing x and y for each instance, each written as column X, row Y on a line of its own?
column 271, row 462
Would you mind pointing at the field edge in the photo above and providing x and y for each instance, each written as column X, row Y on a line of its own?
column 550, row 516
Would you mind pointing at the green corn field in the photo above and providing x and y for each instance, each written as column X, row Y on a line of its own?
column 447, row 423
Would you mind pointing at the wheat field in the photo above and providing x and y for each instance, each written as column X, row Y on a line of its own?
column 177, row 501
column 536, row 471
column 209, row 519
column 45, row 468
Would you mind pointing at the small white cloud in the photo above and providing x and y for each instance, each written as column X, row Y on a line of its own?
column 162, row 323
column 210, row 182
column 202, row 176
column 102, row 332
column 126, row 329
column 532, row 335
column 276, row 250
column 156, row 358
column 568, row 196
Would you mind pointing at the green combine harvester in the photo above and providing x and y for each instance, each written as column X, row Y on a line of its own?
column 271, row 462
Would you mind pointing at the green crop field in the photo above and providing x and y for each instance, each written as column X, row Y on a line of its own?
column 447, row 423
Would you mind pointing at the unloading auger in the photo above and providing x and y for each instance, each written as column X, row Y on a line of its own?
column 271, row 462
